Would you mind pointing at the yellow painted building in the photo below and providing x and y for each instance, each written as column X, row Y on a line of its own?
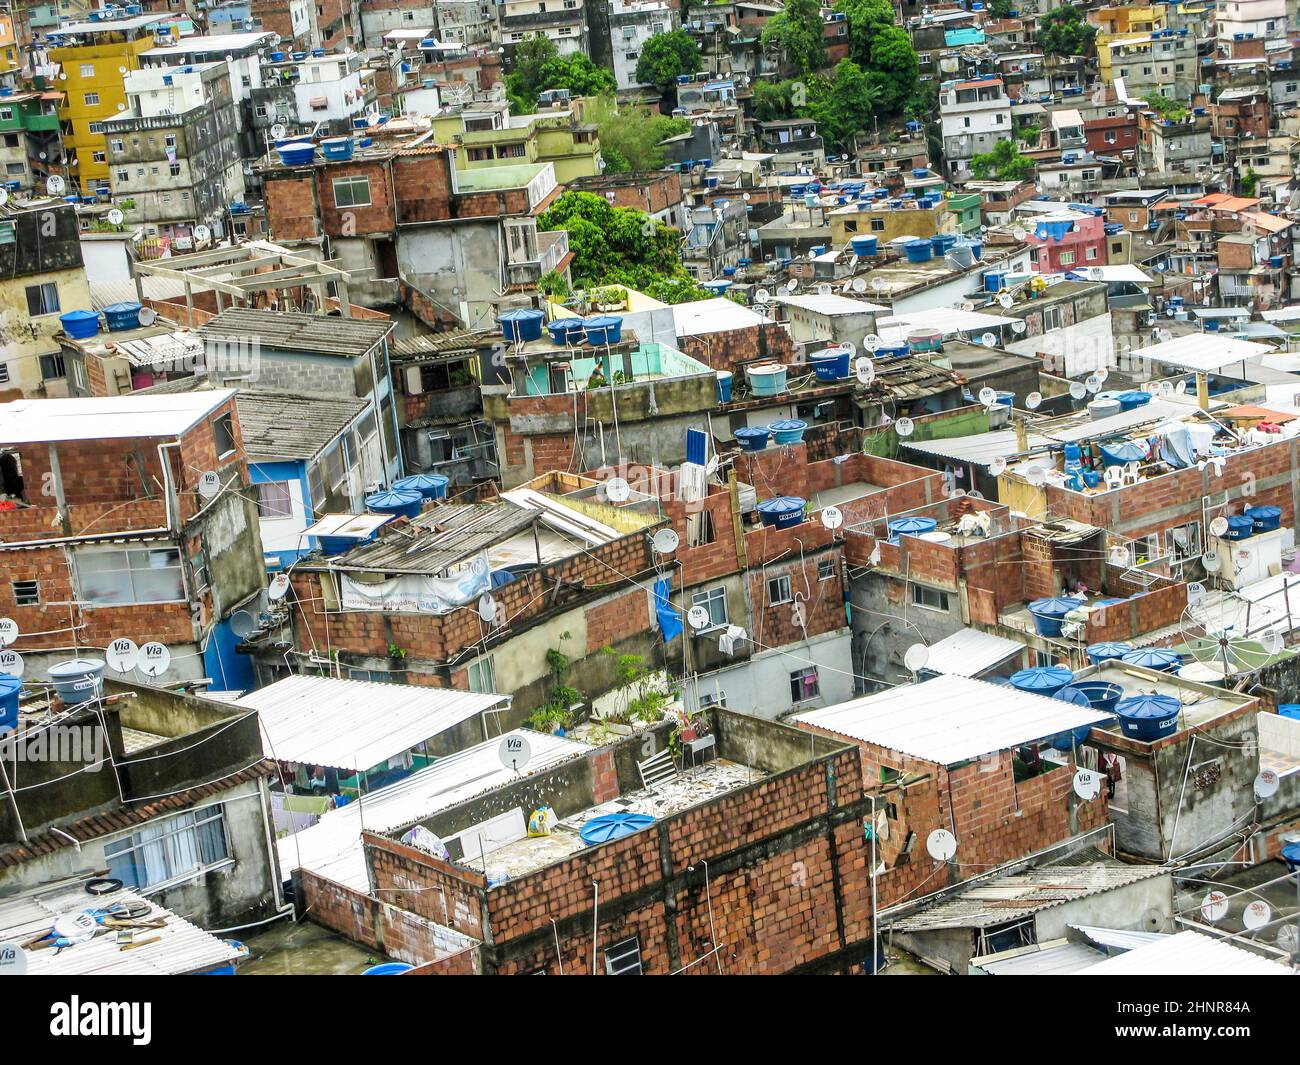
column 92, row 77
column 10, row 58
column 573, row 147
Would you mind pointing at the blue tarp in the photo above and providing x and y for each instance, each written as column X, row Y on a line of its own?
column 670, row 621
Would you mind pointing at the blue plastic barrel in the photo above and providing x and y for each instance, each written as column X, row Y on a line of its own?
column 338, row 149
column 604, row 329
column 120, row 316
column 1265, row 519
column 788, row 431
column 522, row 323
column 429, row 485
column 403, row 503
column 910, row 527
column 1042, row 680
column 830, row 364
column 1160, row 658
column 752, row 437
column 388, row 968
column 1102, row 695
column 608, row 827
column 1048, row 614
column 1291, row 710
column 296, row 153
column 1148, row 717
column 864, row 246
column 724, row 386
column 1134, row 399
column 918, row 251
column 80, row 325
column 1104, row 652
column 10, row 686
column 781, row 512
column 1240, row 527
column 566, row 331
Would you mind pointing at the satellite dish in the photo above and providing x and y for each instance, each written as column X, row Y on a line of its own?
column 55, row 185
column 155, row 659
column 1101, row 374
column 1097, row 274
column 202, row 234
column 115, row 217
column 832, row 518
column 1288, row 939
column 1033, row 401
column 1266, row 784
column 745, row 197
column 904, row 427
column 1119, row 555
column 941, row 844
column 864, row 370
column 243, row 624
column 1256, row 914
column 1195, row 593
column 916, row 657
column 1092, row 383
column 698, row 618
column 1019, row 234
column 987, row 396
column 989, row 340
column 871, row 341
column 11, row 662
column 514, row 751
column 278, row 131
column 792, row 285
column 1164, row 388
column 998, row 466
column 209, row 484
column 278, row 588
column 13, row 959
column 9, row 631
column 1181, row 388
column 1036, row 475
column 664, row 542
column 879, row 284
column 1087, row 784
column 4, row 197
column 487, row 608
column 617, row 490
column 859, row 285
column 1211, row 562
column 1219, row 526
column 761, row 295
column 1007, row 300
column 122, row 655
column 1214, row 907
column 975, row 495
column 1077, row 390
column 147, row 316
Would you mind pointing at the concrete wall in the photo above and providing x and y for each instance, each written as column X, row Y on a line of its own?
column 761, row 686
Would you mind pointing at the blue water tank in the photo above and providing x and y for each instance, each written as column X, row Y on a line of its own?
column 918, row 251
column 613, row 826
column 752, row 437
column 1148, row 717
column 521, row 324
column 1160, row 658
column 10, row 686
column 787, row 431
column 1048, row 614
column 604, row 329
column 429, row 485
column 1105, row 652
column 1042, row 680
column 1265, row 519
column 402, row 502
column 781, row 512
column 910, row 527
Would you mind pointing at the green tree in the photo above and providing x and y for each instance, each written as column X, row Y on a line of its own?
column 798, row 34
column 666, row 55
column 613, row 244
column 538, row 66
column 1000, row 8
column 1173, row 110
column 524, row 79
column 844, row 105
column 630, row 135
column 866, row 18
column 1250, row 183
column 1065, row 32
column 773, row 100
column 884, row 51
column 1004, row 162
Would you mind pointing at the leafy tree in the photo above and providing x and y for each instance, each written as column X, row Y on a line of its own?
column 797, row 33
column 538, row 66
column 630, row 136
column 1250, row 183
column 676, row 290
column 1064, row 32
column 1029, row 134
column 773, row 100
column 1004, row 162
column 1000, row 8
column 1174, row 110
column 866, row 18
column 666, row 55
column 884, row 51
column 843, row 106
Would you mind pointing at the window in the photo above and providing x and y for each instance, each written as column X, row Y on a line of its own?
column 930, row 598
column 352, row 191
column 803, row 684
column 715, row 602
column 624, row 959
column 26, row 593
column 117, row 576
column 42, row 299
column 223, row 435
column 174, row 169
column 483, row 675
column 511, row 151
column 92, row 99
column 1067, row 257
column 825, row 569
column 99, row 157
column 170, row 849
column 87, row 70
column 97, row 127
column 1052, row 315
column 1143, row 549
column 1090, row 253
column 7, row 233
column 1185, row 540
column 877, row 225
column 4, row 373
column 778, row 590
column 123, row 175
column 274, row 500
column 170, row 140
column 52, row 368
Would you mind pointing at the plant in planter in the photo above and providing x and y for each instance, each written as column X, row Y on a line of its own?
column 688, row 727
column 556, row 713
column 396, row 652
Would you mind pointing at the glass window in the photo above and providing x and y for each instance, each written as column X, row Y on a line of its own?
column 274, row 500
column 352, row 191
column 483, row 675
column 804, row 684
column 778, row 590
column 169, row 849
column 715, row 602
column 223, row 435
column 930, row 598
column 42, row 299
column 117, row 577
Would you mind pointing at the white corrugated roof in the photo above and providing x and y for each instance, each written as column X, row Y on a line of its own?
column 713, row 316
column 969, row 652
column 1057, row 958
column 1205, row 352
column 980, row 449
column 356, row 724
column 1188, row 954
column 1156, row 410
column 830, row 304
column 180, row 947
column 332, row 847
column 947, row 320
column 1118, row 272
column 29, row 421
column 951, row 719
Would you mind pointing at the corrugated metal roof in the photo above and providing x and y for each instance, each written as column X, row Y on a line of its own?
column 980, row 449
column 316, row 334
column 969, row 652
column 332, row 846
column 440, row 537
column 1205, row 352
column 1018, row 895
column 277, row 426
column 951, row 719
column 1154, row 411
column 178, row 948
column 1055, row 958
column 27, row 421
column 354, row 724
column 1188, row 954
column 432, row 347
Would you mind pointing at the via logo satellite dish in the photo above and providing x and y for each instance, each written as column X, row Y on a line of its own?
column 864, row 370
column 1033, row 401
column 904, row 427
column 1087, row 784
column 617, row 490
column 941, row 845
column 202, row 234
column 116, row 217
column 698, row 618
column 1007, row 300
column 1017, row 326
column 11, row 662
column 987, row 396
column 55, row 185
column 1092, row 383
column 155, row 659
column 122, row 655
column 989, row 340
column 832, row 518
column 209, row 484
column 278, row 131
column 664, row 542
column 1195, row 593
column 9, row 631
column 761, row 295
column 1211, row 562
column 514, row 751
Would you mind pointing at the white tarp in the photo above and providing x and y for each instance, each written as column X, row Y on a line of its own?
column 417, row 593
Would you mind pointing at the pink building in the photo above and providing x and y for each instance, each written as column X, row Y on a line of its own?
column 1066, row 240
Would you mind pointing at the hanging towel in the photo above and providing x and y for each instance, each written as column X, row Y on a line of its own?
column 670, row 621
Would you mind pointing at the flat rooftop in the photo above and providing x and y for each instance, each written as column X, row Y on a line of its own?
column 38, row 421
